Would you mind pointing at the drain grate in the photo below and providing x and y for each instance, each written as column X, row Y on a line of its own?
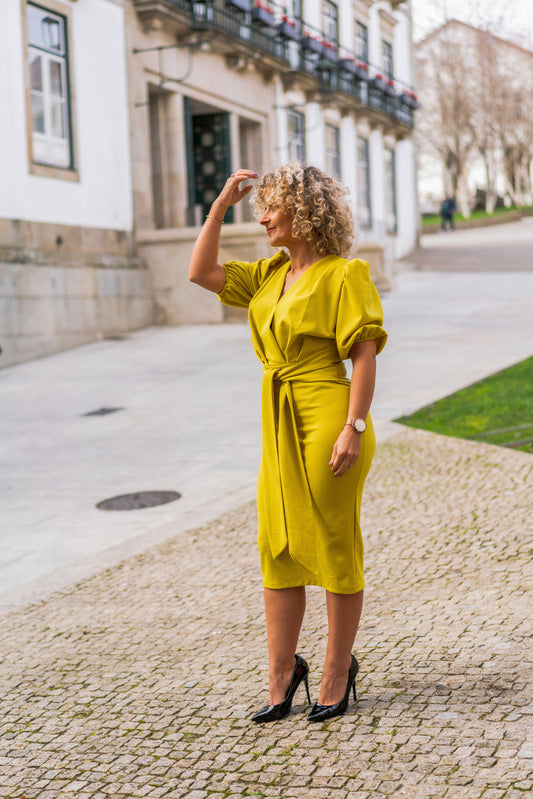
column 143, row 499
column 102, row 411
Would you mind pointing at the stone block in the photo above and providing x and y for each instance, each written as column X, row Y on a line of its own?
column 108, row 314
column 5, row 232
column 8, row 316
column 8, row 356
column 81, row 282
column 9, row 274
column 80, row 315
column 41, row 281
column 36, row 316
column 108, row 282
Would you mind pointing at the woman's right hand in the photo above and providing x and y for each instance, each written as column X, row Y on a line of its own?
column 231, row 194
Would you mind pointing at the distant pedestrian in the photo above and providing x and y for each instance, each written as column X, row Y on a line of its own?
column 310, row 307
column 447, row 211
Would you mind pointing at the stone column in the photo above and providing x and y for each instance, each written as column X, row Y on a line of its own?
column 314, row 135
column 176, row 166
column 348, row 135
column 377, row 183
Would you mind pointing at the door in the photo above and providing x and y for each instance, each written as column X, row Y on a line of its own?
column 209, row 158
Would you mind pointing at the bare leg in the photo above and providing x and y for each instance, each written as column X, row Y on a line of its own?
column 284, row 612
column 344, row 612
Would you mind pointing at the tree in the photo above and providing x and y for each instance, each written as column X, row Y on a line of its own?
column 446, row 122
column 476, row 91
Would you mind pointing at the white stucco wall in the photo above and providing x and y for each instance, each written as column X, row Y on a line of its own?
column 102, row 198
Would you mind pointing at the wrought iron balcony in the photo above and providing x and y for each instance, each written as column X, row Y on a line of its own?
column 303, row 55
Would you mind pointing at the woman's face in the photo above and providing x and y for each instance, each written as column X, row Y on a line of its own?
column 277, row 225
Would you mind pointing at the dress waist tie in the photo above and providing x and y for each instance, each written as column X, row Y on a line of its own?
column 288, row 504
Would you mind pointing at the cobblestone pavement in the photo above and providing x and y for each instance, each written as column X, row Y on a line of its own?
column 139, row 681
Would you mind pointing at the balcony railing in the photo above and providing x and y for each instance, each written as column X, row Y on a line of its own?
column 263, row 25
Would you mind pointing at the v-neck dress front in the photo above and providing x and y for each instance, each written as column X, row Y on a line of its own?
column 308, row 520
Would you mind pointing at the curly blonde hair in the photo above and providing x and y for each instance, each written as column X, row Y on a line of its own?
column 315, row 201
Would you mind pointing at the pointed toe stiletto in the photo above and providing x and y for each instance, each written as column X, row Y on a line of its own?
column 324, row 712
column 276, row 712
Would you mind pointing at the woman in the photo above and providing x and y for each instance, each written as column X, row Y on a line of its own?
column 309, row 309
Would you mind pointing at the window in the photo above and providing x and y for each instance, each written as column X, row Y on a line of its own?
column 296, row 126
column 361, row 41
column 387, row 60
column 333, row 154
column 390, row 190
column 363, row 184
column 49, row 92
column 330, row 25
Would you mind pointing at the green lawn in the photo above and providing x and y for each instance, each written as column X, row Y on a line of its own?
column 497, row 410
column 434, row 219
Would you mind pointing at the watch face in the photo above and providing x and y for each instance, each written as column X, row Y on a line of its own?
column 360, row 425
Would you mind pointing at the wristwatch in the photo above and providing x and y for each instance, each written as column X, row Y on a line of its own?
column 357, row 424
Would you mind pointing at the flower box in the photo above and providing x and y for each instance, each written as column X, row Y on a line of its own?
column 313, row 45
column 388, row 88
column 287, row 29
column 329, row 51
column 239, row 5
column 410, row 100
column 377, row 83
column 361, row 71
column 263, row 16
column 355, row 68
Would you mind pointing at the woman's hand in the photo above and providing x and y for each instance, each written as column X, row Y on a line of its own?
column 345, row 450
column 232, row 193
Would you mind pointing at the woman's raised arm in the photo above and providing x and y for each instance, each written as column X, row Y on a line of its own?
column 203, row 268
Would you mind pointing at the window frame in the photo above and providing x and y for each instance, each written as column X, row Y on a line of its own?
column 387, row 58
column 366, row 189
column 391, row 200
column 333, row 153
column 39, row 168
column 361, row 38
column 300, row 116
column 329, row 21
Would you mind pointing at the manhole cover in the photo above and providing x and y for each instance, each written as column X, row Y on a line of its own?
column 102, row 411
column 143, row 499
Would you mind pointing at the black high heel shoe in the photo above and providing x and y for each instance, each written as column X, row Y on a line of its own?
column 275, row 712
column 323, row 712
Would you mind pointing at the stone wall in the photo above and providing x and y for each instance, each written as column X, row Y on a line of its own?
column 88, row 287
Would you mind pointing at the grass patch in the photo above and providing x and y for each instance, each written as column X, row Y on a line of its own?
column 497, row 410
column 434, row 219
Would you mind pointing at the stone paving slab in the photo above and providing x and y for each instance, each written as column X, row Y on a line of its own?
column 139, row 681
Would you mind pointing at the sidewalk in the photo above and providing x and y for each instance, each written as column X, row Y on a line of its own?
column 139, row 682
column 137, row 678
column 189, row 421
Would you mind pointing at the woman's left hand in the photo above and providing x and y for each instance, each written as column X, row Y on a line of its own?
column 345, row 451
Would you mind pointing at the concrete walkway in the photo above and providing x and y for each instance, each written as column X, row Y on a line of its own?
column 189, row 418
column 139, row 680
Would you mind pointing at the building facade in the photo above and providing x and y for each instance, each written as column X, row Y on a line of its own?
column 69, row 272
column 123, row 118
column 476, row 125
column 220, row 84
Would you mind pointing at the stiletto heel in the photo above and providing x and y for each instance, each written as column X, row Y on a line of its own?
column 279, row 711
column 323, row 712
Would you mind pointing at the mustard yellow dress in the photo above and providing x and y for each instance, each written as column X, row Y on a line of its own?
column 309, row 532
